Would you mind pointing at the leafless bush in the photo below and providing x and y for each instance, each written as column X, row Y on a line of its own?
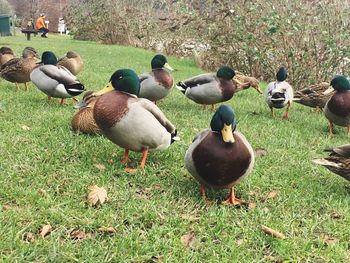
column 311, row 38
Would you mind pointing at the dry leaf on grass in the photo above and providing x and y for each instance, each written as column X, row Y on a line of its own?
column 42, row 191
column 157, row 258
column 272, row 195
column 252, row 205
column 272, row 232
column 28, row 236
column 25, row 127
column 239, row 242
column 131, row 170
column 45, row 230
column 190, row 218
column 328, row 239
column 107, row 230
column 100, row 167
column 189, row 240
column 77, row 234
column 335, row 215
column 97, row 195
column 260, row 152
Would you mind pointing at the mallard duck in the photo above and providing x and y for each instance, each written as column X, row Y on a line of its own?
column 337, row 109
column 133, row 123
column 313, row 96
column 279, row 93
column 18, row 70
column 241, row 79
column 55, row 81
column 72, row 61
column 220, row 157
column 338, row 161
column 210, row 88
column 6, row 54
column 83, row 120
column 156, row 85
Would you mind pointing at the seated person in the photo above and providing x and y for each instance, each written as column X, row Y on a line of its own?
column 40, row 25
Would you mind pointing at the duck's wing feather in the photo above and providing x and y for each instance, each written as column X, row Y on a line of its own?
column 14, row 64
column 200, row 80
column 60, row 74
column 157, row 113
column 145, row 76
column 343, row 150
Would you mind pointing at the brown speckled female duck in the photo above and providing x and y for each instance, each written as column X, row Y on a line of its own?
column 220, row 157
column 133, row 123
column 6, row 54
column 72, row 61
column 18, row 70
column 83, row 120
column 338, row 161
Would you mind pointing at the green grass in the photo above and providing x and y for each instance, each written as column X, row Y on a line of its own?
column 147, row 208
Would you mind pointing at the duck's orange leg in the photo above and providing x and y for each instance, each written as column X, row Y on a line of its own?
column 144, row 157
column 348, row 130
column 330, row 126
column 232, row 200
column 17, row 87
column 48, row 99
column 62, row 101
column 126, row 159
column 207, row 202
column 26, row 87
column 205, row 106
column 286, row 114
column 213, row 107
column 273, row 112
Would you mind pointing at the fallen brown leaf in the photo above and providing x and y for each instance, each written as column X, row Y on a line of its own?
column 25, row 127
column 271, row 195
column 189, row 240
column 97, row 195
column 330, row 241
column 335, row 215
column 42, row 191
column 45, row 230
column 6, row 207
column 260, row 152
column 239, row 242
column 28, row 236
column 251, row 205
column 190, row 218
column 110, row 161
column 157, row 258
column 107, row 230
column 272, row 232
column 100, row 167
column 77, row 234
column 131, row 170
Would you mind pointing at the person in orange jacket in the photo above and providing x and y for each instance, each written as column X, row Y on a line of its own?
column 40, row 25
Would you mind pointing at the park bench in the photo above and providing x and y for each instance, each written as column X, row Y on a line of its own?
column 28, row 32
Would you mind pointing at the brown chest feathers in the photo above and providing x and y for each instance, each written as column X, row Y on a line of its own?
column 218, row 163
column 83, row 121
column 339, row 104
column 227, row 89
column 110, row 108
column 163, row 77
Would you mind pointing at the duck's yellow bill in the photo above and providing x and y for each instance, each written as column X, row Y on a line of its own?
column 105, row 90
column 167, row 66
column 226, row 133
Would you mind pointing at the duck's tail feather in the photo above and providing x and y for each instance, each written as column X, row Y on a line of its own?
column 181, row 87
column 174, row 137
column 75, row 89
